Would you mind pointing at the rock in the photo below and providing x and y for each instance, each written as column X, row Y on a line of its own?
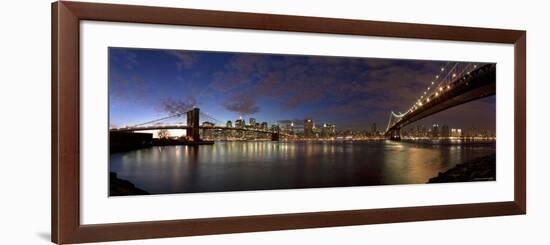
column 121, row 187
column 479, row 169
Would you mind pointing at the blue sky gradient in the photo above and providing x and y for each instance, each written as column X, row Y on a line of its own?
column 353, row 93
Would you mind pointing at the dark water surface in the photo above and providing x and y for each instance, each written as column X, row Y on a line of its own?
column 261, row 165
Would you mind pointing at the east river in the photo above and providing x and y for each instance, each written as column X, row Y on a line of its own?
column 261, row 165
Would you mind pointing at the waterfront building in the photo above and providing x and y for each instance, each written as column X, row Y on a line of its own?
column 308, row 128
column 445, row 132
column 263, row 125
column 252, row 122
column 239, row 123
column 207, row 133
column 208, row 124
column 435, row 130
column 328, row 130
column 290, row 128
column 229, row 133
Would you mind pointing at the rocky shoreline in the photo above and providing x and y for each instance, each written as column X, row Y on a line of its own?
column 479, row 169
column 122, row 187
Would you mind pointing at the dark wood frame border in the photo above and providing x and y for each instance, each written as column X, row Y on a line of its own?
column 66, row 227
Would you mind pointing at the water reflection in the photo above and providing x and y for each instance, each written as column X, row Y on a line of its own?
column 231, row 166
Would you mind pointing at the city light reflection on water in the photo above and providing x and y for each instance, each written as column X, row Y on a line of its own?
column 261, row 165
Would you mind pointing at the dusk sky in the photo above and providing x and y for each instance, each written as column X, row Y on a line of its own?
column 353, row 93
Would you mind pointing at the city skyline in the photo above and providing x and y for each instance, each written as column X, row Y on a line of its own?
column 352, row 93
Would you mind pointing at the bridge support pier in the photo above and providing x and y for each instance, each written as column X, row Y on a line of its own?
column 275, row 136
column 395, row 135
column 193, row 124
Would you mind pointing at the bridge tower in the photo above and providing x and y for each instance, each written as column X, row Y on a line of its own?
column 275, row 136
column 193, row 124
column 395, row 134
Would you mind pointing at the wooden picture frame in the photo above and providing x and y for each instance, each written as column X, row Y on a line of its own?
column 65, row 174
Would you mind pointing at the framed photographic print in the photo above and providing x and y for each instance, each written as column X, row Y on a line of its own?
column 176, row 122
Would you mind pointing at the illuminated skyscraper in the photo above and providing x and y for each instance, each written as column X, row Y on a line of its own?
column 435, row 130
column 456, row 132
column 207, row 133
column 239, row 123
column 263, row 125
column 445, row 132
column 373, row 129
column 329, row 130
column 252, row 122
column 229, row 133
column 308, row 128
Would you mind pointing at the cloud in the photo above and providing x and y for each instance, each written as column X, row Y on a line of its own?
column 185, row 58
column 173, row 106
column 240, row 71
column 347, row 87
column 242, row 104
column 124, row 57
column 127, row 88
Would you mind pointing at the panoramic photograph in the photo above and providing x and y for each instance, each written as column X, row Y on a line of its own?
column 184, row 121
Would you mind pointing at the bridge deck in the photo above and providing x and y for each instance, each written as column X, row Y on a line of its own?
column 177, row 126
column 479, row 84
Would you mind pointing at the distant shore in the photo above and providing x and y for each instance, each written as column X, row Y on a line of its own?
column 479, row 169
